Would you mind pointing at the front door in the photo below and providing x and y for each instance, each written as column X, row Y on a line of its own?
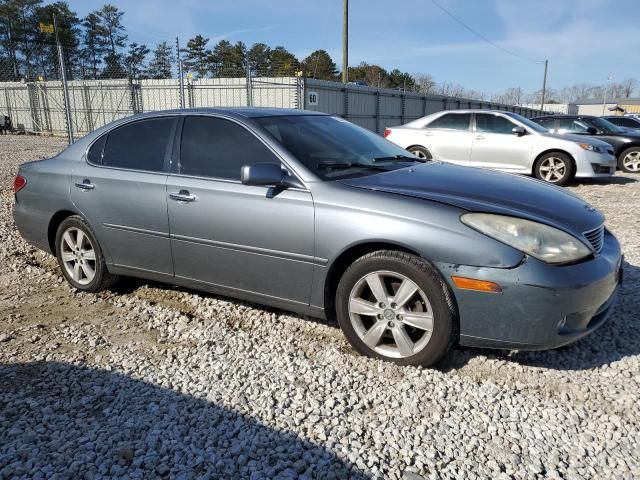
column 496, row 146
column 121, row 189
column 226, row 234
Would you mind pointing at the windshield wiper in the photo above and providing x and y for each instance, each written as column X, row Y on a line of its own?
column 400, row 158
column 341, row 165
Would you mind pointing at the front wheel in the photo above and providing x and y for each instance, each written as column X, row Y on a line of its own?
column 554, row 167
column 629, row 160
column 394, row 306
column 421, row 152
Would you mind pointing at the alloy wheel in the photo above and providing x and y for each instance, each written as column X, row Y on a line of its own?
column 553, row 169
column 78, row 256
column 391, row 314
column 631, row 161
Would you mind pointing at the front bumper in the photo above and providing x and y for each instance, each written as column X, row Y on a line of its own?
column 541, row 306
column 594, row 165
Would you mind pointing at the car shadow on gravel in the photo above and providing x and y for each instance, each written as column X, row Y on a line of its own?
column 616, row 339
column 83, row 422
column 615, row 180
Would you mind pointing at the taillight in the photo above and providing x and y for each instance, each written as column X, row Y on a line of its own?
column 387, row 132
column 19, row 183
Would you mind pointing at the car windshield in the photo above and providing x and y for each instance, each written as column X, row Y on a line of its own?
column 604, row 125
column 525, row 121
column 334, row 148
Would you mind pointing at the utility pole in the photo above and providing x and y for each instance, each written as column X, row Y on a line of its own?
column 345, row 41
column 180, row 73
column 604, row 94
column 544, row 85
column 65, row 87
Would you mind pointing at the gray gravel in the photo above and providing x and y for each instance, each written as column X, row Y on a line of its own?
column 152, row 381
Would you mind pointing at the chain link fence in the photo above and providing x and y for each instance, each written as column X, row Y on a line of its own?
column 39, row 99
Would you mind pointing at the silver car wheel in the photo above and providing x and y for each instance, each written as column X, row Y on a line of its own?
column 631, row 161
column 78, row 256
column 420, row 154
column 391, row 314
column 553, row 169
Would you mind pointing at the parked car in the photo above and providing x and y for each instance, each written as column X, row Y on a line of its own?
column 503, row 141
column 310, row 213
column 626, row 145
column 630, row 123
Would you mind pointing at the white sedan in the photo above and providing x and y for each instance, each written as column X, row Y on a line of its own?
column 504, row 141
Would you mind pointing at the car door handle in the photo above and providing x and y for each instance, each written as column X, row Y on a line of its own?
column 85, row 185
column 428, row 134
column 182, row 196
column 479, row 137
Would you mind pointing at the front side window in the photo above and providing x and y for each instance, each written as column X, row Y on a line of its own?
column 214, row 147
column 603, row 125
column 493, row 123
column 452, row 121
column 547, row 123
column 140, row 145
column 572, row 125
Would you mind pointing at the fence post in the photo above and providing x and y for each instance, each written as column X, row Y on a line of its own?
column 377, row 111
column 300, row 97
column 424, row 106
column 249, row 86
column 181, row 82
column 87, row 106
column 346, row 102
column 65, row 87
column 403, row 106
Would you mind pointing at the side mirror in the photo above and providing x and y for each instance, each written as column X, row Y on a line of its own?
column 519, row 131
column 268, row 174
column 592, row 131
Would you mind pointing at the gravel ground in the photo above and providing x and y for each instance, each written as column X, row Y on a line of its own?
column 154, row 381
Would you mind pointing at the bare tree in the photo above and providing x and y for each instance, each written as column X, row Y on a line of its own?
column 628, row 86
column 425, row 82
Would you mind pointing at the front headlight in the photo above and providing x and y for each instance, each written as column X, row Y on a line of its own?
column 536, row 239
column 592, row 148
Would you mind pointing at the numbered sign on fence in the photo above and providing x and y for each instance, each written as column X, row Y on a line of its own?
column 312, row 98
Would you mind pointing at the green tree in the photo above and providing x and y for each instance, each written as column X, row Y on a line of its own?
column 134, row 61
column 115, row 38
column 398, row 79
column 93, row 43
column 197, row 56
column 18, row 31
column 160, row 64
column 283, row 62
column 229, row 59
column 259, row 56
column 374, row 75
column 68, row 33
column 319, row 64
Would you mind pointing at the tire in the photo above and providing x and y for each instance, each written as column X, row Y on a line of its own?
column 381, row 329
column 421, row 152
column 78, row 261
column 555, row 167
column 629, row 160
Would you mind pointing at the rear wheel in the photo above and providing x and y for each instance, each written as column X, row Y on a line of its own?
column 555, row 167
column 394, row 306
column 421, row 152
column 629, row 160
column 80, row 256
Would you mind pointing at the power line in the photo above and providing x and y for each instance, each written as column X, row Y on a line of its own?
column 479, row 35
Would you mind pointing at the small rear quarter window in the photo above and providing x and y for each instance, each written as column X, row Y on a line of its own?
column 95, row 152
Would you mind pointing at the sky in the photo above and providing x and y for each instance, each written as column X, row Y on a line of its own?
column 585, row 41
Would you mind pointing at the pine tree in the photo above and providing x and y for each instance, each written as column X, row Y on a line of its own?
column 134, row 61
column 93, row 41
column 283, row 62
column 197, row 56
column 160, row 64
column 115, row 38
column 319, row 65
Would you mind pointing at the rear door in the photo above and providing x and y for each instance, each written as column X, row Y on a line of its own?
column 243, row 238
column 449, row 138
column 120, row 190
column 496, row 146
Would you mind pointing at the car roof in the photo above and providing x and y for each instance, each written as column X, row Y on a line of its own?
column 475, row 110
column 248, row 112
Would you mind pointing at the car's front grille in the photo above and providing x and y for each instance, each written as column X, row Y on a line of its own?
column 595, row 238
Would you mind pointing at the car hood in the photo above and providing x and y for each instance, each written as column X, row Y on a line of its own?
column 576, row 138
column 481, row 190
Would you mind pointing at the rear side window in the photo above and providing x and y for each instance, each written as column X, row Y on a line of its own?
column 140, row 145
column 452, row 121
column 548, row 123
column 95, row 152
column 624, row 122
column 493, row 124
column 572, row 125
column 214, row 147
